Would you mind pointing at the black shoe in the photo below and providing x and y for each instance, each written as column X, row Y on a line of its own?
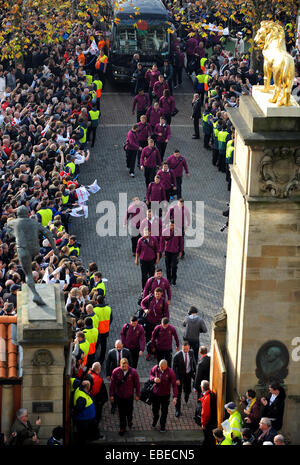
column 177, row 413
column 174, row 283
column 153, row 424
column 162, row 430
column 122, row 432
column 195, row 137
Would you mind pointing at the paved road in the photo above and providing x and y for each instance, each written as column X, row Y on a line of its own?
column 201, row 274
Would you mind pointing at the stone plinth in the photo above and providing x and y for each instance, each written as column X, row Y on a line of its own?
column 262, row 285
column 44, row 335
column 271, row 109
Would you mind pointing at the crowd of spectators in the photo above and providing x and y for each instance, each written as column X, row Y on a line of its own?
column 50, row 106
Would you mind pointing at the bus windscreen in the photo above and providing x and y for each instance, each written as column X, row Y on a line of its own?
column 129, row 40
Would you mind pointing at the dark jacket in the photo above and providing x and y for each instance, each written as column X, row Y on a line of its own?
column 275, row 410
column 179, row 364
column 268, row 435
column 24, row 433
column 111, row 362
column 202, row 372
column 196, row 109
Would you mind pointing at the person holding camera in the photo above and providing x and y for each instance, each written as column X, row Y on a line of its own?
column 22, row 432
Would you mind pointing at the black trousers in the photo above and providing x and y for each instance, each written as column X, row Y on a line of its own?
column 131, row 158
column 209, row 439
column 160, row 403
column 185, row 386
column 171, row 260
column 179, row 187
column 170, row 193
column 196, row 127
column 134, row 241
column 86, row 430
column 206, row 140
column 215, row 156
column 135, row 356
column 177, row 76
column 149, row 329
column 92, row 131
column 147, row 269
column 222, row 162
column 143, row 144
column 166, row 355
column 149, row 175
column 168, row 118
column 103, row 342
column 162, row 148
column 195, row 346
column 125, row 408
column 183, row 234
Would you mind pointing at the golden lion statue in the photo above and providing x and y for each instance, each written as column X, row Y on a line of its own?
column 277, row 61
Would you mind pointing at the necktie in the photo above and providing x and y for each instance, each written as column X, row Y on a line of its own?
column 119, row 357
column 186, row 363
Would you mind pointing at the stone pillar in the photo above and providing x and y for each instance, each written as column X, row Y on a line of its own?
column 262, row 285
column 44, row 335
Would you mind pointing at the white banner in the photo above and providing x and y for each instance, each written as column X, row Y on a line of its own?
column 77, row 212
column 93, row 188
column 82, row 195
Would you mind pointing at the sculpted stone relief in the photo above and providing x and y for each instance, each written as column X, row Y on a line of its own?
column 279, row 171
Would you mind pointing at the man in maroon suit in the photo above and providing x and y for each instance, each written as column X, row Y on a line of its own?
column 154, row 224
column 155, row 308
column 147, row 252
column 158, row 281
column 133, row 338
column 150, row 160
column 172, row 247
column 164, row 378
column 161, row 340
column 124, row 381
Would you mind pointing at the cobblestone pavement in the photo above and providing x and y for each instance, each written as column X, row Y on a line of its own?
column 200, row 275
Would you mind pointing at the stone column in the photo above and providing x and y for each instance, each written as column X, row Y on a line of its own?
column 262, row 285
column 44, row 335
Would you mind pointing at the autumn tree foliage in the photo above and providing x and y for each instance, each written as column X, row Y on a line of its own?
column 245, row 15
column 26, row 23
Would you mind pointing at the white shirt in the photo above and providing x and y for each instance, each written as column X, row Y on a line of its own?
column 272, row 398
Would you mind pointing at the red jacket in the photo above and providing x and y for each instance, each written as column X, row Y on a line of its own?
column 208, row 411
column 97, row 382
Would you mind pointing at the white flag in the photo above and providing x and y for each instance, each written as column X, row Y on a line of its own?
column 85, row 211
column 93, row 48
column 82, row 195
column 46, row 276
column 93, row 188
column 77, row 212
